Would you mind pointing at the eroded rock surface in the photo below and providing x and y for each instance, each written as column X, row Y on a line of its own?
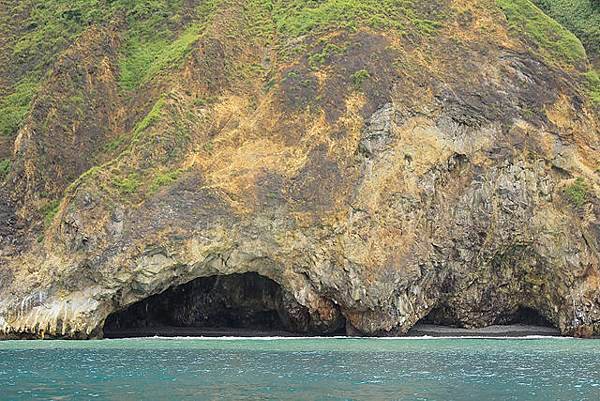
column 237, row 301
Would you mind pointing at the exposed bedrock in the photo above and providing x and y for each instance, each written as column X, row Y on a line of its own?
column 427, row 230
column 237, row 301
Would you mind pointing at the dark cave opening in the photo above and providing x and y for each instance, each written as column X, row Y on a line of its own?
column 245, row 304
column 526, row 316
column 523, row 315
column 521, row 321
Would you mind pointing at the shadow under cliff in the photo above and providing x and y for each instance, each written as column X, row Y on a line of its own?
column 249, row 304
column 523, row 321
column 231, row 305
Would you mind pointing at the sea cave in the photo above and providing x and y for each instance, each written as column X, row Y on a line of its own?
column 245, row 304
column 521, row 321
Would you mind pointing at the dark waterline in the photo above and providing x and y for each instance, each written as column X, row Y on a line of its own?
column 419, row 330
column 301, row 369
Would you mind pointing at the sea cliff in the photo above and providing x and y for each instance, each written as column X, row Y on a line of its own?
column 369, row 164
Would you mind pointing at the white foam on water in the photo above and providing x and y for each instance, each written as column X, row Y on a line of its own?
column 280, row 338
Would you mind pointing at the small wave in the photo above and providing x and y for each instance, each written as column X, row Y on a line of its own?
column 281, row 338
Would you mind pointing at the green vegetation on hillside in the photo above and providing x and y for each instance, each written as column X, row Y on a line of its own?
column 550, row 39
column 582, row 17
column 145, row 60
column 14, row 107
column 156, row 40
column 359, row 77
column 151, row 118
column 577, row 192
column 157, row 35
column 129, row 184
column 299, row 17
column 316, row 59
column 163, row 179
column 48, row 28
column 49, row 211
column 51, row 26
column 4, row 168
column 593, row 80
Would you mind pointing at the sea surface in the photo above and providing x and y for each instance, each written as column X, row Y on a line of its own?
column 301, row 369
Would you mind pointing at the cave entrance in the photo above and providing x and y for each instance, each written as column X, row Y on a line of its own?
column 238, row 304
column 525, row 316
column 522, row 321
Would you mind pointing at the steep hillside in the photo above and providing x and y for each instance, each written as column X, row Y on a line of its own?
column 582, row 17
column 378, row 162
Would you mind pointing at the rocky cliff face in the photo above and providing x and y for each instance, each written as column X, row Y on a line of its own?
column 378, row 162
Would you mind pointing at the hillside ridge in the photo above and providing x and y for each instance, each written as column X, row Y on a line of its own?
column 382, row 162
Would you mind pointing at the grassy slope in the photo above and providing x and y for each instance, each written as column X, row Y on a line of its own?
column 157, row 34
column 298, row 17
column 145, row 54
column 158, row 37
column 45, row 29
column 547, row 37
column 552, row 41
column 151, row 42
column 582, row 17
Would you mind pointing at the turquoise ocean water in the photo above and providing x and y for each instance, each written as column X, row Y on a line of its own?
column 301, row 369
